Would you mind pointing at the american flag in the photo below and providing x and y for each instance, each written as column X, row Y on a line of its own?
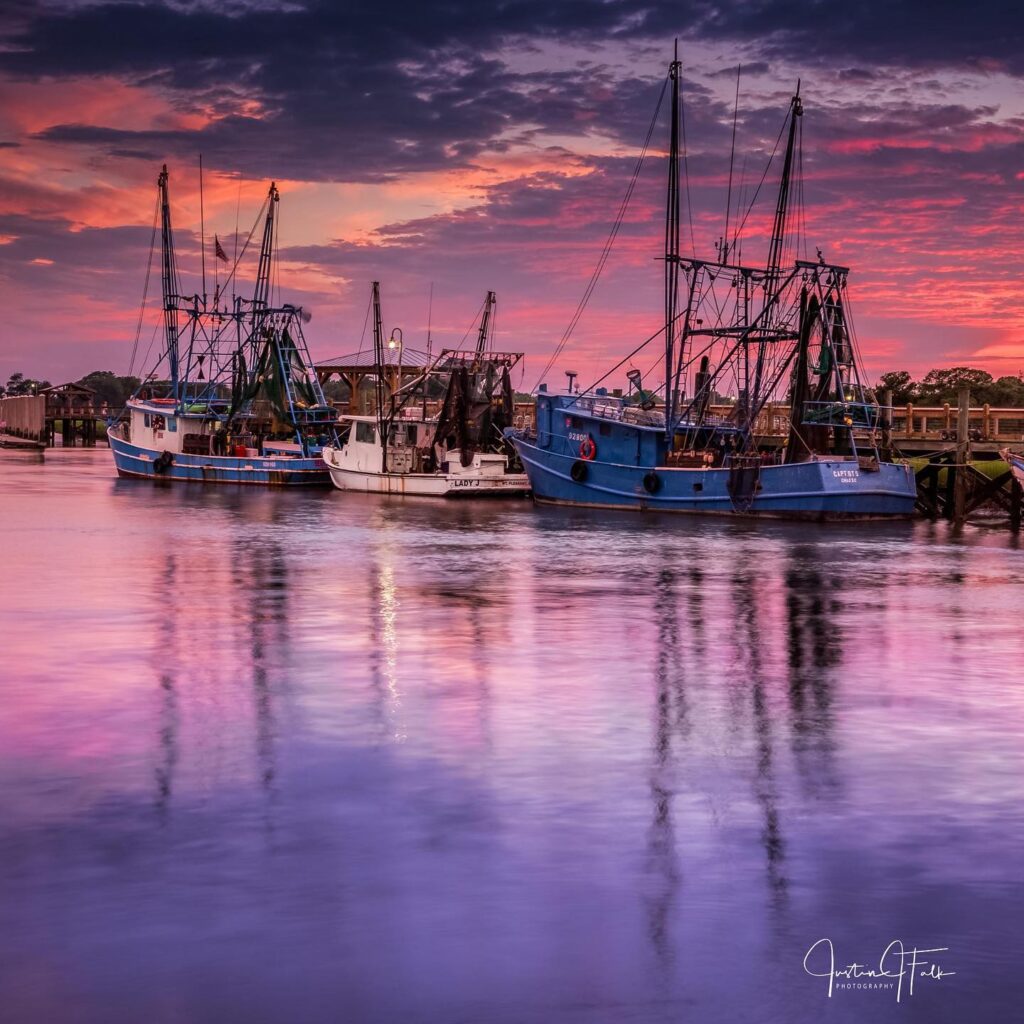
column 218, row 250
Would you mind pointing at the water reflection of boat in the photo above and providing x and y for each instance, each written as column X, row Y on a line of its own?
column 232, row 398
column 459, row 451
column 193, row 691
column 761, row 330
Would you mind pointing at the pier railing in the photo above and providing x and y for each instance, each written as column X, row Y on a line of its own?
column 914, row 422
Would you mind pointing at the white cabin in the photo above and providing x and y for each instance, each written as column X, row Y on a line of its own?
column 155, row 425
column 409, row 444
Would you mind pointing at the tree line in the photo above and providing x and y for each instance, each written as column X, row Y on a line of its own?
column 935, row 388
column 109, row 388
column 940, row 386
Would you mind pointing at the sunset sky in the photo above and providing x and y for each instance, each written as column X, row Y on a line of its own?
column 469, row 145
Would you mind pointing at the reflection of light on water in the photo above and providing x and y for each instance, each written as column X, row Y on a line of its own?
column 389, row 641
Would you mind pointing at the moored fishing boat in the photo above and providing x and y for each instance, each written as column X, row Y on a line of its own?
column 233, row 397
column 459, row 450
column 764, row 330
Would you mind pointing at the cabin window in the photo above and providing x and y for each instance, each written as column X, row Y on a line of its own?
column 606, row 430
column 145, row 418
column 365, row 432
column 172, row 424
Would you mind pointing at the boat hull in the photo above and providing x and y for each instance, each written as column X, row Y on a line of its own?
column 140, row 463
column 431, row 485
column 823, row 489
column 1016, row 464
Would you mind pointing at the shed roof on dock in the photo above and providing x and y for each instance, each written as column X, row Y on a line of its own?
column 412, row 360
column 67, row 389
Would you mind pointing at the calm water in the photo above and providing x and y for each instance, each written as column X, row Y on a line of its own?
column 306, row 757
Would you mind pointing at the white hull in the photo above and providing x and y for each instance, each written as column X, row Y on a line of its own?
column 431, row 485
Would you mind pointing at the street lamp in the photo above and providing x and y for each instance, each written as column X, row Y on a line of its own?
column 395, row 342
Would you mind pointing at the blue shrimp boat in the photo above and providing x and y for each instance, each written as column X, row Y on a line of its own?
column 233, row 397
column 1016, row 463
column 767, row 332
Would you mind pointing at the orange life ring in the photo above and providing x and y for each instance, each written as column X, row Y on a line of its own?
column 588, row 449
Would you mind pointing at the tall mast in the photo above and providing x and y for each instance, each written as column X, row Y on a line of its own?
column 261, row 296
column 170, row 281
column 782, row 206
column 672, row 243
column 379, row 387
column 485, row 324
column 774, row 264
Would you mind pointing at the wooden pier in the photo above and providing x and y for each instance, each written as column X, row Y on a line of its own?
column 915, row 430
column 68, row 411
column 73, row 413
column 950, row 487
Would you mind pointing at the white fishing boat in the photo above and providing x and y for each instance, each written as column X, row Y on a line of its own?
column 412, row 467
column 456, row 450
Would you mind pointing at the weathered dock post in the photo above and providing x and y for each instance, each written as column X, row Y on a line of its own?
column 886, row 415
column 963, row 456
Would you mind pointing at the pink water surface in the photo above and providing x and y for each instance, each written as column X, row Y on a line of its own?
column 314, row 757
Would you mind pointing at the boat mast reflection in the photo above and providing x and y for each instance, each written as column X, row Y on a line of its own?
column 671, row 722
column 749, row 637
column 814, row 651
column 263, row 592
column 169, row 714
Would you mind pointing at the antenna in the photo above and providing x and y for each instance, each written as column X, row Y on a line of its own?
column 430, row 312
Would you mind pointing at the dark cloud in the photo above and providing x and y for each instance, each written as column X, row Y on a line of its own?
column 758, row 67
column 897, row 173
column 357, row 92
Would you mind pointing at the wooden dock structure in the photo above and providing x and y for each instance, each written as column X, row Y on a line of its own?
column 73, row 412
column 68, row 411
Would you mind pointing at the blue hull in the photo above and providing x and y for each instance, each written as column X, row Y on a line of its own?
column 264, row 471
column 818, row 490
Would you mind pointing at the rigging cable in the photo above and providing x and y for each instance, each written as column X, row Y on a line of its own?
column 686, row 169
column 239, row 257
column 476, row 320
column 145, row 288
column 362, row 334
column 606, row 251
column 768, row 166
column 732, row 164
